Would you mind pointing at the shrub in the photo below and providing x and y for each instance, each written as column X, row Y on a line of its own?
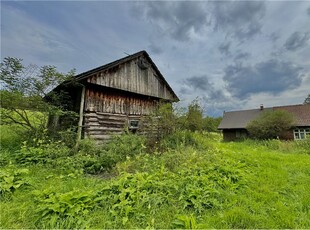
column 41, row 152
column 270, row 124
column 94, row 158
column 194, row 119
column 10, row 180
column 64, row 210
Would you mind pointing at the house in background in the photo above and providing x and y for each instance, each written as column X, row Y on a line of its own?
column 114, row 96
column 234, row 123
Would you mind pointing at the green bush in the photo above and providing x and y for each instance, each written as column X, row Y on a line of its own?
column 41, row 152
column 270, row 124
column 64, row 210
column 94, row 158
column 12, row 179
column 193, row 186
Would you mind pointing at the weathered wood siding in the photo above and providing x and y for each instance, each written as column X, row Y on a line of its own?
column 118, row 103
column 130, row 77
column 107, row 111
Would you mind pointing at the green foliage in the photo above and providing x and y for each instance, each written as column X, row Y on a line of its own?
column 303, row 145
column 183, row 138
column 194, row 118
column 270, row 124
column 197, row 181
column 210, row 124
column 23, row 91
column 64, row 210
column 158, row 125
column 12, row 179
column 40, row 152
column 9, row 138
column 99, row 158
column 184, row 222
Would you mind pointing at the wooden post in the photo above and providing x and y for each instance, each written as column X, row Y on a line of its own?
column 79, row 131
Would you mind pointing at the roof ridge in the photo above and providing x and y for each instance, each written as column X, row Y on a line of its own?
column 244, row 110
column 279, row 106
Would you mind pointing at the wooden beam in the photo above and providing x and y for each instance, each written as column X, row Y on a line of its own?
column 79, row 131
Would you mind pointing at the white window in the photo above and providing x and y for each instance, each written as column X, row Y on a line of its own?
column 300, row 134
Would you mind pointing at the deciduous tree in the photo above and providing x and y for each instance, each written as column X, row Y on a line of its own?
column 23, row 90
column 270, row 124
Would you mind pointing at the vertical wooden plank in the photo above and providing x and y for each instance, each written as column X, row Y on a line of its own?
column 79, row 131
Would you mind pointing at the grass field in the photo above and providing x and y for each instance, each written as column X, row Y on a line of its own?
column 198, row 181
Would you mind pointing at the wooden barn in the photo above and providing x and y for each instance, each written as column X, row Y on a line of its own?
column 114, row 96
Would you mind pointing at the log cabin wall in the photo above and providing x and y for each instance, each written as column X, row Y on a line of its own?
column 107, row 111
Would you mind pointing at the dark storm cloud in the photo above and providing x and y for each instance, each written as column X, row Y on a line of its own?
column 296, row 40
column 242, row 55
column 242, row 19
column 177, row 19
column 272, row 77
column 224, row 48
column 198, row 82
column 205, row 88
column 155, row 48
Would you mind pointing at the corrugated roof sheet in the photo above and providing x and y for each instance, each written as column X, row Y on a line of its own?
column 240, row 119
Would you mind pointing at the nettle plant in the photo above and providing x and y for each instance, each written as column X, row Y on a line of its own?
column 64, row 210
column 10, row 180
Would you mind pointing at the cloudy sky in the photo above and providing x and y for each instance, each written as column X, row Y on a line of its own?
column 230, row 55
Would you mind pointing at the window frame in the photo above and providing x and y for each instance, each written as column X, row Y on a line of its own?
column 133, row 127
column 301, row 133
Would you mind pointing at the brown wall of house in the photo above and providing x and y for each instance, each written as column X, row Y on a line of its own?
column 234, row 134
column 288, row 135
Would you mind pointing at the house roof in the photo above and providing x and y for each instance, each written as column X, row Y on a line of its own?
column 301, row 113
column 240, row 119
column 113, row 64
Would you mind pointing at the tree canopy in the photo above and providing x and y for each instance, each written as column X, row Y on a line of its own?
column 23, row 89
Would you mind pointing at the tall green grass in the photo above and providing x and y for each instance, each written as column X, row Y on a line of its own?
column 195, row 181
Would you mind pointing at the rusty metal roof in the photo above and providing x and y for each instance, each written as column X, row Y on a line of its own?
column 240, row 119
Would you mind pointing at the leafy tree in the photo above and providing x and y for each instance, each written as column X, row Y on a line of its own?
column 307, row 99
column 194, row 118
column 158, row 125
column 210, row 124
column 23, row 90
column 270, row 124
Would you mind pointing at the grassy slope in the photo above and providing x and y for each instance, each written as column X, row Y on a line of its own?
column 273, row 191
column 278, row 189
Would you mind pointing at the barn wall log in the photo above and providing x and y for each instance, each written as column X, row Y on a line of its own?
column 103, row 126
